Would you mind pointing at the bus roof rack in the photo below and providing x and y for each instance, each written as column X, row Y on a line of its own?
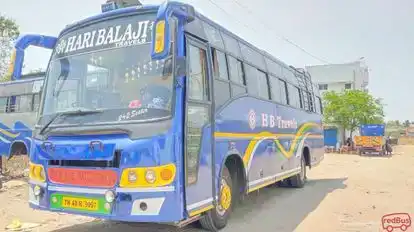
column 117, row 4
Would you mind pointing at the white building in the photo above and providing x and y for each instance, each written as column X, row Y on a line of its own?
column 339, row 77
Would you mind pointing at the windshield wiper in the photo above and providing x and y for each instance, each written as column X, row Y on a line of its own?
column 71, row 112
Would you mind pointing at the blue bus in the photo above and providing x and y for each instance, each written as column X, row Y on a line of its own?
column 168, row 117
column 19, row 103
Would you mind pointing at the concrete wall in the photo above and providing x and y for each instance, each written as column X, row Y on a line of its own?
column 337, row 75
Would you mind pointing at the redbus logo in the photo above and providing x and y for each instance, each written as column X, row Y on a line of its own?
column 393, row 221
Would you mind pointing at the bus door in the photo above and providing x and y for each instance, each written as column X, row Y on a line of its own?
column 198, row 140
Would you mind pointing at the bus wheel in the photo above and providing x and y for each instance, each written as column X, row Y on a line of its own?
column 298, row 180
column 216, row 218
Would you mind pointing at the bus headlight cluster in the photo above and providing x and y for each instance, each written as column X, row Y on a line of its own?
column 148, row 176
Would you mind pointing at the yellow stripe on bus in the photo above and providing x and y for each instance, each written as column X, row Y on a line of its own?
column 256, row 137
column 9, row 134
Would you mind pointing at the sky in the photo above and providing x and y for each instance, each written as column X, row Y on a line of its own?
column 334, row 31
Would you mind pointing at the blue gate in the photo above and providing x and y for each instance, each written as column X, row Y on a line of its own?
column 330, row 136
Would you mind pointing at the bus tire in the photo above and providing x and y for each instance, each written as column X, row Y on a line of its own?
column 216, row 218
column 299, row 180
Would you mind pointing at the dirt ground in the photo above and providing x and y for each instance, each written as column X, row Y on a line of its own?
column 345, row 193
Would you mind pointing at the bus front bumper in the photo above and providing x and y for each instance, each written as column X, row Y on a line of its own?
column 159, row 205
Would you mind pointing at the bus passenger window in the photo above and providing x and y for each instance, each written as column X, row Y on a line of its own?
column 3, row 104
column 283, row 93
column 256, row 82
column 294, row 96
column 220, row 65
column 236, row 71
column 197, row 74
column 278, row 89
column 36, row 102
column 23, row 103
column 262, row 85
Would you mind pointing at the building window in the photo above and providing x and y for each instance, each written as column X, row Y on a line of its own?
column 348, row 86
column 323, row 86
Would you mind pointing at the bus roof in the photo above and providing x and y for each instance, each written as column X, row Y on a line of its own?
column 109, row 14
column 154, row 8
column 27, row 80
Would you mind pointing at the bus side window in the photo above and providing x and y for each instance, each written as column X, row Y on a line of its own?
column 198, row 88
column 221, row 79
column 283, row 90
column 23, row 103
column 36, row 102
column 256, row 82
column 294, row 96
column 236, row 71
column 3, row 104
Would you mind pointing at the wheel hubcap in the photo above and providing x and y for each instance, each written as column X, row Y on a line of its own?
column 225, row 198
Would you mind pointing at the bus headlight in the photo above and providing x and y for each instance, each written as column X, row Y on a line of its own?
column 150, row 176
column 109, row 196
column 37, row 191
column 132, row 176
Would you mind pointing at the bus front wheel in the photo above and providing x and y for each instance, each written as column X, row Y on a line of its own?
column 298, row 180
column 216, row 218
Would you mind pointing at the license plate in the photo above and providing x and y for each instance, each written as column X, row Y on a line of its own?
column 80, row 203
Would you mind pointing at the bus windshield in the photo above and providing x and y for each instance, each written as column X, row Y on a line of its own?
column 108, row 66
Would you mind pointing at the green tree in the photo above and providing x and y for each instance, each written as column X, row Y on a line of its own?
column 406, row 123
column 397, row 123
column 352, row 108
column 9, row 31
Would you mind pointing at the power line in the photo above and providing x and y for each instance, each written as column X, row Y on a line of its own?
column 264, row 24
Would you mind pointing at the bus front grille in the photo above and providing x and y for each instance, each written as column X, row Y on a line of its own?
column 114, row 163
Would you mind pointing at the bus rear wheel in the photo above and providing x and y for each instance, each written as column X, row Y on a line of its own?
column 217, row 217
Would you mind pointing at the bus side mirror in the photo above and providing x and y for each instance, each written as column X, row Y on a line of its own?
column 16, row 63
column 179, row 68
